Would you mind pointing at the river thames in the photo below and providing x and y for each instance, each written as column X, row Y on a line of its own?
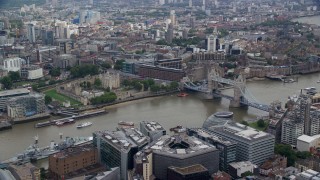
column 168, row 110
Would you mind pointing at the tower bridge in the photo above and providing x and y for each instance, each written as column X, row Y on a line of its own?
column 210, row 88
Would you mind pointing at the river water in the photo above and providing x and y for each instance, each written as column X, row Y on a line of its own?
column 168, row 110
column 309, row 20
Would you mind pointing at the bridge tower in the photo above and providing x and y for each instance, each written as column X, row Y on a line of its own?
column 212, row 85
column 239, row 90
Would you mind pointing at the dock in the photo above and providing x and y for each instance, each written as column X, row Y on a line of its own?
column 75, row 117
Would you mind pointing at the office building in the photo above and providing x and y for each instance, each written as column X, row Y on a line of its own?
column 169, row 34
column 117, row 148
column 112, row 174
column 65, row 45
column 228, row 149
column 175, row 63
column 6, row 95
column 152, row 129
column 31, row 35
column 182, row 151
column 192, row 172
column 25, row 171
column 163, row 73
column 291, row 130
column 143, row 164
column 65, row 60
column 236, row 169
column 47, row 37
column 252, row 145
column 74, row 161
column 89, row 16
column 308, row 143
column 11, row 64
column 25, row 106
column 173, row 17
column 31, row 72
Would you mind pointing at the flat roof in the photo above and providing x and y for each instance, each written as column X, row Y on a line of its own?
column 14, row 92
column 189, row 170
column 306, row 138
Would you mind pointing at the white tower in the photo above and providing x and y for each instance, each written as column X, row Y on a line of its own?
column 173, row 17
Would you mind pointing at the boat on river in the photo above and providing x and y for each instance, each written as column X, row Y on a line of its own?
column 65, row 122
column 85, row 124
column 34, row 152
column 182, row 94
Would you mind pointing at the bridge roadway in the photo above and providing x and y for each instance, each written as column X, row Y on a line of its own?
column 243, row 100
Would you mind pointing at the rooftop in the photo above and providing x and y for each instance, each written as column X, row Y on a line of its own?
column 125, row 138
column 207, row 134
column 152, row 126
column 74, row 151
column 306, row 138
column 181, row 145
column 241, row 164
column 189, row 170
column 245, row 132
column 14, row 92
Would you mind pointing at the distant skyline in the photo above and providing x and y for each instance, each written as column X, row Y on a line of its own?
column 19, row 3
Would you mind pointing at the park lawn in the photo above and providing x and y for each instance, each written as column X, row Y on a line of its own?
column 60, row 97
column 255, row 126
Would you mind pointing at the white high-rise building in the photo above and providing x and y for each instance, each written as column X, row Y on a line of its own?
column 161, row 2
column 291, row 130
column 173, row 17
column 212, row 41
column 203, row 5
column 31, row 33
column 190, row 3
column 90, row 2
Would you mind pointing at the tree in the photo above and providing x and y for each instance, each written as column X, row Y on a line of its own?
column 107, row 97
column 126, row 82
column 55, row 72
column 244, row 123
column 97, row 82
column 155, row 88
column 303, row 154
column 106, row 65
column 6, row 82
column 15, row 76
column 138, row 86
column 287, row 151
column 162, row 42
column 47, row 99
column 119, row 64
column 174, row 85
column 261, row 123
column 84, row 70
column 247, row 173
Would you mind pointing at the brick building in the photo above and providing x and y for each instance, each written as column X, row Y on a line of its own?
column 74, row 161
column 163, row 73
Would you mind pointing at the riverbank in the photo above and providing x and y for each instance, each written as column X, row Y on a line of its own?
column 129, row 99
